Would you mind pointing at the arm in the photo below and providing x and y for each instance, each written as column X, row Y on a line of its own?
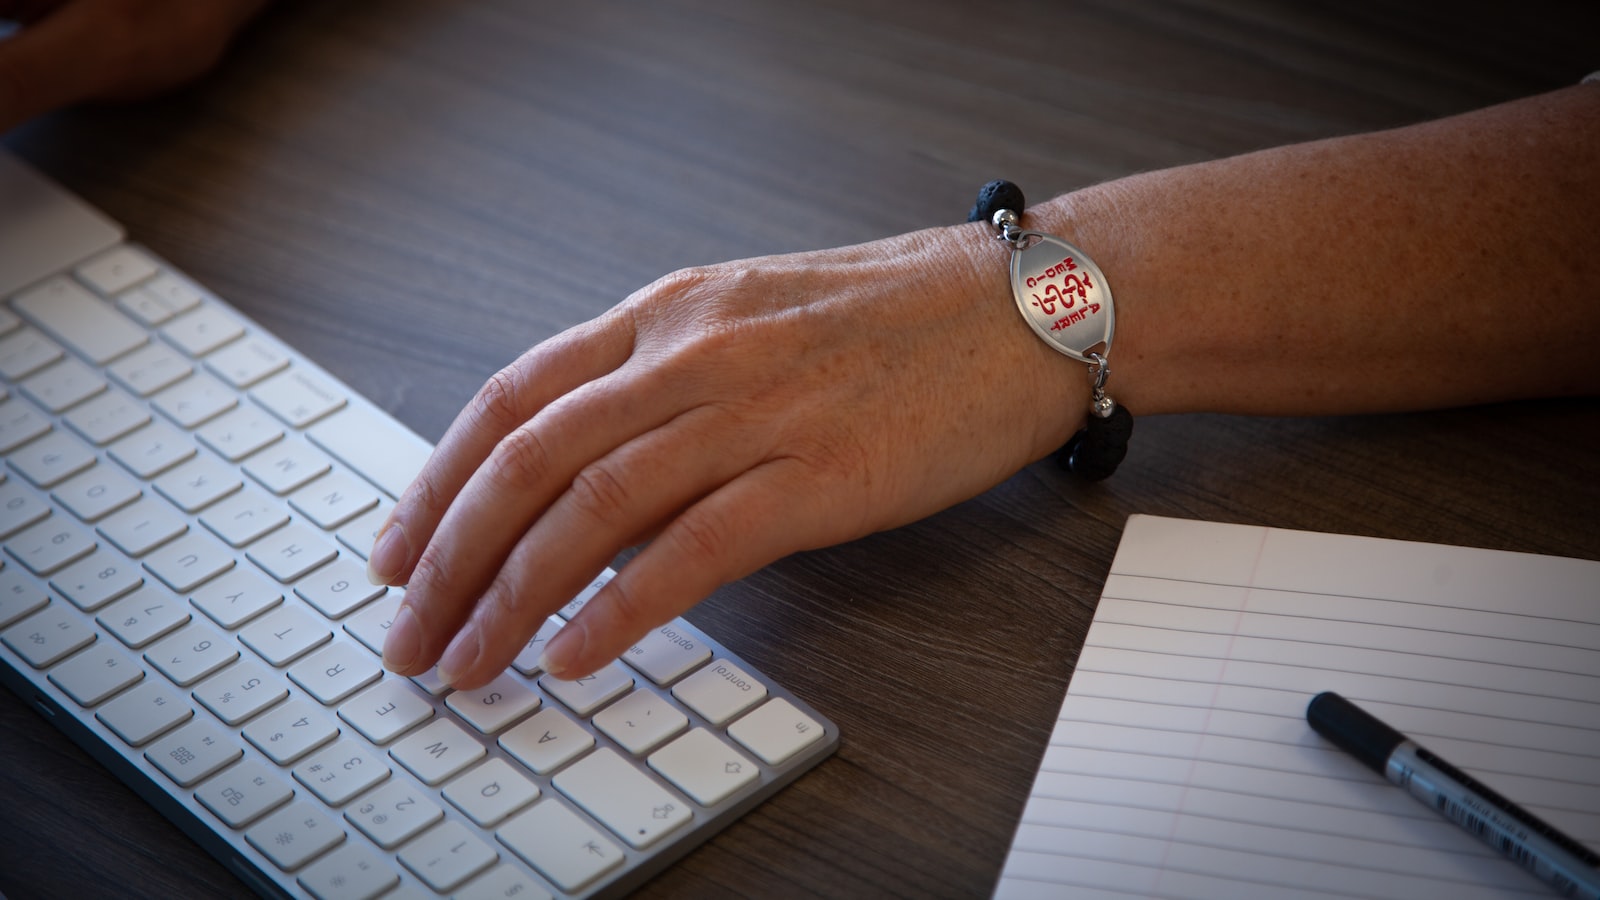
column 733, row 414
column 74, row 50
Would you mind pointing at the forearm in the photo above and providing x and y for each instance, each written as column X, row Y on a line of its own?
column 1443, row 264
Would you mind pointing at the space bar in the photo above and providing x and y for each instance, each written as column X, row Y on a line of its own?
column 374, row 445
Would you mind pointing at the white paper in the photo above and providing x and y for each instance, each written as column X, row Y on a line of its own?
column 1181, row 764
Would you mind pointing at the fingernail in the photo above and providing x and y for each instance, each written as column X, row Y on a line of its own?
column 460, row 656
column 403, row 642
column 563, row 650
column 389, row 555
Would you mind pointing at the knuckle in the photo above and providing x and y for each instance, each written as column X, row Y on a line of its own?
column 701, row 536
column 520, row 460
column 625, row 609
column 599, row 494
column 497, row 402
column 431, row 574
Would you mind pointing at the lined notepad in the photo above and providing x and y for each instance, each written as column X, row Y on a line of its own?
column 1181, row 764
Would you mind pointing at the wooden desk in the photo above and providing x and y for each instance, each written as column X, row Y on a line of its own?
column 414, row 192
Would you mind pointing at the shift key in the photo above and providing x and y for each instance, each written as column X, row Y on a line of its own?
column 377, row 447
column 80, row 320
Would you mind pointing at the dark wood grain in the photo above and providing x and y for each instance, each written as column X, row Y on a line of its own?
column 414, row 192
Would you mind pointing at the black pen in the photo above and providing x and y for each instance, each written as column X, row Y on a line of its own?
column 1559, row 861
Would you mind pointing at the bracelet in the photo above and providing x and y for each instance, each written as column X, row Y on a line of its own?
column 1064, row 298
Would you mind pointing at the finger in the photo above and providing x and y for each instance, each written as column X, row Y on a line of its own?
column 523, row 475
column 629, row 492
column 766, row 514
column 507, row 401
column 110, row 49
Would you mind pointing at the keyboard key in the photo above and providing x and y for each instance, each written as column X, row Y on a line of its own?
column 776, row 731
column 333, row 500
column 351, row 872
column 96, row 493
column 587, row 694
column 447, row 856
column 63, row 385
column 527, row 661
column 547, row 741
column 97, row 579
column 241, row 692
column 189, row 561
column 720, row 691
column 287, row 466
column 107, row 417
column 20, row 423
column 50, row 545
column 285, row 634
column 18, row 596
column 338, row 773
column 335, row 672
column 95, row 674
column 195, row 400
column 244, row 517
column 438, row 751
column 290, row 552
column 701, row 765
column 244, row 793
column 150, row 368
column 560, row 844
column 624, row 799
column 240, row 432
column 19, row 507
column 145, row 525
column 198, row 483
column 371, row 624
column 297, row 397
column 80, row 320
column 503, row 881
column 48, row 636
column 24, row 352
column 144, row 306
column 117, row 269
column 52, row 459
column 640, row 721
column 666, row 653
column 359, row 533
column 386, row 711
column 246, row 362
column 174, row 292
column 491, row 792
column 393, row 813
column 290, row 731
column 192, row 654
column 236, row 597
column 350, row 437
column 495, row 705
column 431, row 682
column 152, row 450
column 143, row 616
column 150, row 709
column 584, row 596
column 202, row 329
column 193, row 752
column 339, row 588
column 295, row 835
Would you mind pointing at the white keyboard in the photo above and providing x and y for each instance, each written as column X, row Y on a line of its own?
column 185, row 508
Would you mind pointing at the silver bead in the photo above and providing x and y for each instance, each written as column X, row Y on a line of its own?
column 1103, row 406
column 1004, row 217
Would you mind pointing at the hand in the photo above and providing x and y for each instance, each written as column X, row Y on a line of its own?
column 730, row 415
column 74, row 50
